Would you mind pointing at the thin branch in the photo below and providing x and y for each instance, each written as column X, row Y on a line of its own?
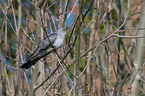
column 128, row 37
column 53, row 83
column 72, row 9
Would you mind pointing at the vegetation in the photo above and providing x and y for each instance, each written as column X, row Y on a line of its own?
column 103, row 52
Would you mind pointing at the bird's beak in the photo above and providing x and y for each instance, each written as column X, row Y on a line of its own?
column 67, row 32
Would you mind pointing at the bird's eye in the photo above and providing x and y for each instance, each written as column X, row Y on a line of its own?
column 63, row 29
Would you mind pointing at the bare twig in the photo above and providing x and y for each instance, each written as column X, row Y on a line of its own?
column 53, row 83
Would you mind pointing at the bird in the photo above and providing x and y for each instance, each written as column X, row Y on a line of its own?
column 45, row 47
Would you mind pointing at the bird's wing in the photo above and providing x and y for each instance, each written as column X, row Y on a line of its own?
column 43, row 46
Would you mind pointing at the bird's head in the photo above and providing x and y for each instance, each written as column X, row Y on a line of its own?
column 62, row 31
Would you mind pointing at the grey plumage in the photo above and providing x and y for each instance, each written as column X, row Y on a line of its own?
column 45, row 47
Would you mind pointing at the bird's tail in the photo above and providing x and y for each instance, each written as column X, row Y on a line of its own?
column 29, row 63
column 32, row 61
